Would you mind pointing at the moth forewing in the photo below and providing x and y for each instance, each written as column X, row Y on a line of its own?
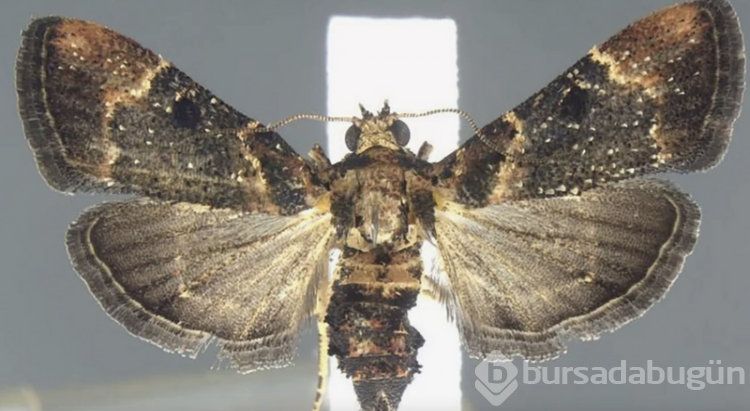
column 661, row 95
column 136, row 124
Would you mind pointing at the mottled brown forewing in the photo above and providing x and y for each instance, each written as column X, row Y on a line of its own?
column 661, row 95
column 104, row 114
column 546, row 226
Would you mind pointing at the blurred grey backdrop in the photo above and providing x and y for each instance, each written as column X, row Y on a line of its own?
column 268, row 60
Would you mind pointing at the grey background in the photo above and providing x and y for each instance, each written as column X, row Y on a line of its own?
column 268, row 60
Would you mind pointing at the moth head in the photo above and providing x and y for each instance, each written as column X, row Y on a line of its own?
column 383, row 130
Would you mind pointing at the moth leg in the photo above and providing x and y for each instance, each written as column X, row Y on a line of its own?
column 320, row 310
column 322, row 363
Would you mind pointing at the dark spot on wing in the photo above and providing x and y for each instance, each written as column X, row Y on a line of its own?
column 575, row 105
column 186, row 113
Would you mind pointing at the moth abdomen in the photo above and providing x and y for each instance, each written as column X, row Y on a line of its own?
column 369, row 329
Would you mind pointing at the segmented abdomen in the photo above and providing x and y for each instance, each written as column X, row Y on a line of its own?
column 369, row 329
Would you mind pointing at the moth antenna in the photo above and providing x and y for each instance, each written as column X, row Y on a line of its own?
column 464, row 115
column 255, row 129
column 315, row 117
column 458, row 111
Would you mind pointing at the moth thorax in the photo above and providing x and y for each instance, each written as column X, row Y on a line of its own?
column 380, row 211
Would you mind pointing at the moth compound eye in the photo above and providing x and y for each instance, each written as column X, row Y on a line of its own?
column 352, row 137
column 400, row 132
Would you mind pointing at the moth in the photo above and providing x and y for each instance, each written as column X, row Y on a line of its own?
column 548, row 222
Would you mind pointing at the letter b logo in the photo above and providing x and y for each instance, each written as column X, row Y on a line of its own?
column 496, row 378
